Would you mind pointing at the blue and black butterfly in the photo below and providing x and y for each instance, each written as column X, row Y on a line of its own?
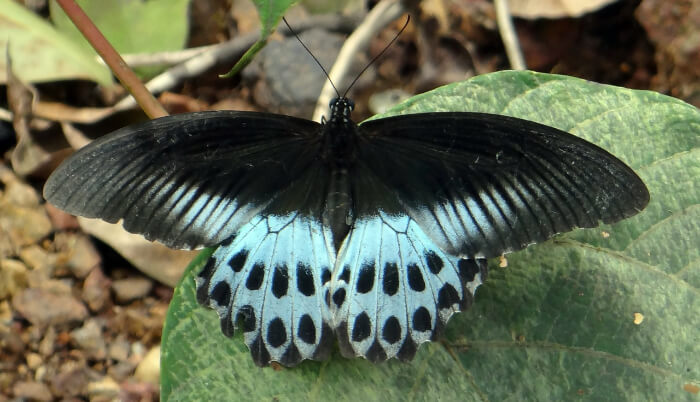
column 371, row 234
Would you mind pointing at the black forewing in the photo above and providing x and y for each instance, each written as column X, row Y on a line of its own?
column 186, row 180
column 481, row 185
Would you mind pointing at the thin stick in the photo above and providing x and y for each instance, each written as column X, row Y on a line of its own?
column 126, row 76
column 510, row 39
column 381, row 15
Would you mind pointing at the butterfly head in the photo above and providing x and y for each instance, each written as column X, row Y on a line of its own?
column 341, row 108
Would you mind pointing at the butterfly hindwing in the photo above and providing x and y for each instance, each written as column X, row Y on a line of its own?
column 270, row 280
column 481, row 185
column 186, row 180
column 394, row 288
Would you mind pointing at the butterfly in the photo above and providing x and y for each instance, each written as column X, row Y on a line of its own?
column 373, row 235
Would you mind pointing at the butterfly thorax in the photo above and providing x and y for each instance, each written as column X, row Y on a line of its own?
column 338, row 153
column 339, row 135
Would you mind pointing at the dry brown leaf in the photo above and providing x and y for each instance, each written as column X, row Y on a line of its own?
column 154, row 259
column 532, row 9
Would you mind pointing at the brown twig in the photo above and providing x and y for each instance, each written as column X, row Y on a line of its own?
column 126, row 76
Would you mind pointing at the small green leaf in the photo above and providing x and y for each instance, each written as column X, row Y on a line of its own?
column 561, row 321
column 39, row 53
column 270, row 13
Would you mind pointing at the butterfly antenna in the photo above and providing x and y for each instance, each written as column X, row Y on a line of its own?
column 312, row 56
column 408, row 19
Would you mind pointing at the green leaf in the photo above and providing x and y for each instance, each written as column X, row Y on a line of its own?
column 270, row 13
column 558, row 323
column 39, row 53
column 131, row 26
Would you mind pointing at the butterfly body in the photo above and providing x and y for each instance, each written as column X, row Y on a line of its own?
column 371, row 234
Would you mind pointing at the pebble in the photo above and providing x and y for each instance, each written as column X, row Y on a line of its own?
column 90, row 339
column 70, row 383
column 105, row 388
column 34, row 360
column 13, row 277
column 126, row 290
column 46, row 346
column 119, row 349
column 96, row 290
column 32, row 390
column 80, row 251
column 39, row 260
column 149, row 368
column 43, row 308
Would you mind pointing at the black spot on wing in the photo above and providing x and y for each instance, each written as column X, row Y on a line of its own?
column 345, row 275
column 468, row 269
column 221, row 293
column 255, row 277
column 276, row 333
column 238, row 260
column 447, row 296
column 361, row 328
column 422, row 320
column 415, row 278
column 325, row 275
column 305, row 280
column 280, row 281
column 339, row 297
column 307, row 330
column 434, row 262
column 246, row 316
column 392, row 330
column 390, row 280
column 365, row 280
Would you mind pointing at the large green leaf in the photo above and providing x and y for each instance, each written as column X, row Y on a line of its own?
column 131, row 26
column 561, row 321
column 40, row 53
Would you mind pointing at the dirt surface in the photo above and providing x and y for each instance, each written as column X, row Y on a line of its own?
column 78, row 322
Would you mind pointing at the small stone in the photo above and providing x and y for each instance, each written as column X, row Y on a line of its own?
column 119, row 349
column 105, row 388
column 96, row 290
column 5, row 314
column 34, row 360
column 70, row 383
column 43, row 308
column 82, row 257
column 126, row 290
column 22, row 222
column 32, row 390
column 38, row 259
column 149, row 368
column 121, row 371
column 90, row 339
column 46, row 346
column 13, row 277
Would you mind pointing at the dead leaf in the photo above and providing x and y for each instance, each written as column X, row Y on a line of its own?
column 532, row 9
column 154, row 259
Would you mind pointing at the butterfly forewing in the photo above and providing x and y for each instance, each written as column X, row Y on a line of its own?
column 481, row 185
column 186, row 180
